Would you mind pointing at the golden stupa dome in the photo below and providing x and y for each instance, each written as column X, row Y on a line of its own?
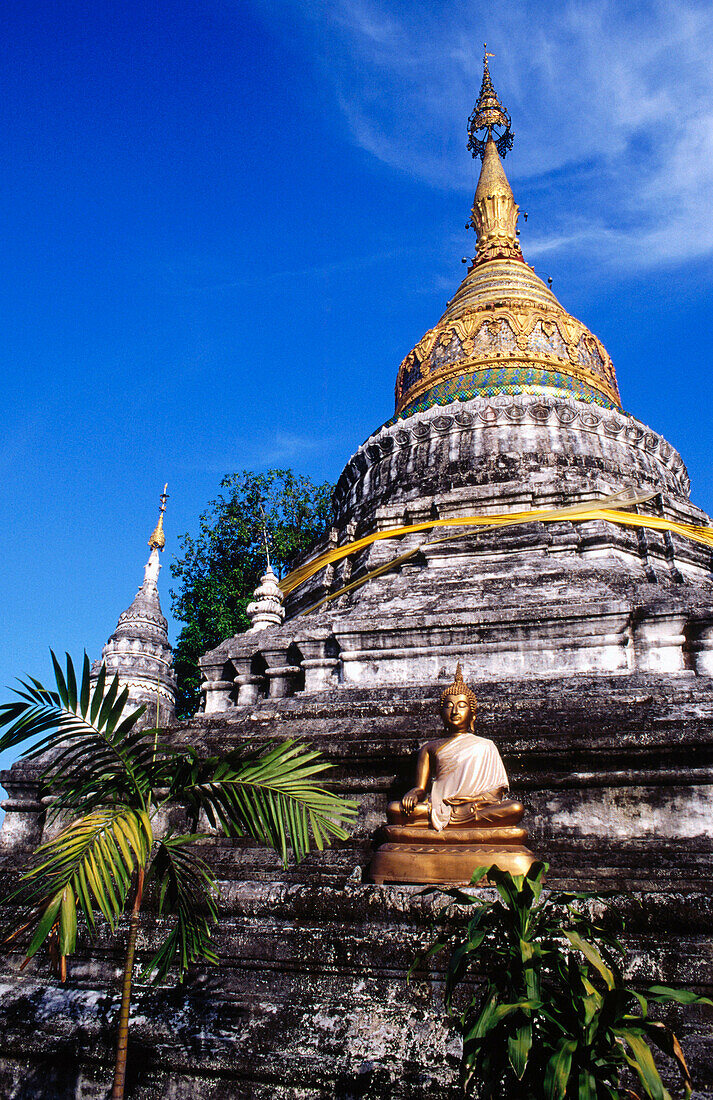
column 503, row 331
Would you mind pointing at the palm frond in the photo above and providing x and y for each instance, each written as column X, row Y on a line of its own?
column 270, row 796
column 186, row 889
column 88, row 866
column 96, row 754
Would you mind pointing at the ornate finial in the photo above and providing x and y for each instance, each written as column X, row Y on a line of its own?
column 494, row 212
column 157, row 539
column 264, row 539
column 489, row 115
column 459, row 687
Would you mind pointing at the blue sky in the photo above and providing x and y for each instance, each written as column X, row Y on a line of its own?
column 223, row 223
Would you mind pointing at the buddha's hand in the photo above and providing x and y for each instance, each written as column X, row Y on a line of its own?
column 410, row 799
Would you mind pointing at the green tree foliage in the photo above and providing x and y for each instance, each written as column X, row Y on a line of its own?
column 110, row 782
column 218, row 570
column 542, row 1006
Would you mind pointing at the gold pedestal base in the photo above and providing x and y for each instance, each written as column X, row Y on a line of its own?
column 417, row 834
column 448, row 858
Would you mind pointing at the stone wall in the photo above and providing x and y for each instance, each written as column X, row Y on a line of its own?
column 311, row 1000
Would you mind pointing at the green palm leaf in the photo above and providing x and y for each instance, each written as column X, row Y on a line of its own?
column 270, row 796
column 664, row 993
column 114, row 777
column 188, row 890
column 88, row 865
column 491, row 1015
column 95, row 753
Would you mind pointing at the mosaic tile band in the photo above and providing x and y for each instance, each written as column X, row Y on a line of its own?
column 508, row 380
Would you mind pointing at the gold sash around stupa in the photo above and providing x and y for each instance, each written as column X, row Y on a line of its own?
column 609, row 509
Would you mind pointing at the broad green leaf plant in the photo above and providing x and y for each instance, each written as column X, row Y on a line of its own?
column 110, row 783
column 541, row 1003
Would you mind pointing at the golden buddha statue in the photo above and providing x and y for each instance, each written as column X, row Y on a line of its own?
column 468, row 821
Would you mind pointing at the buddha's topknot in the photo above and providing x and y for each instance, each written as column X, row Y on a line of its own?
column 459, row 687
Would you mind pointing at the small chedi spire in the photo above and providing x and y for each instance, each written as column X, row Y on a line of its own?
column 267, row 607
column 139, row 651
column 494, row 213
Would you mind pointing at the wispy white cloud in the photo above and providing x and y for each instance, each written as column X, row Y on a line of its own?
column 273, row 448
column 612, row 105
column 286, row 447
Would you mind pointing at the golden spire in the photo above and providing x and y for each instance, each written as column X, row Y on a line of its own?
column 503, row 331
column 494, row 213
column 157, row 539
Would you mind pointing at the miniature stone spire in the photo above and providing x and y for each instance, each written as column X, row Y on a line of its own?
column 267, row 607
column 139, row 651
column 494, row 214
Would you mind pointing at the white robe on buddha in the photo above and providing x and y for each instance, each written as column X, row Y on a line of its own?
column 467, row 768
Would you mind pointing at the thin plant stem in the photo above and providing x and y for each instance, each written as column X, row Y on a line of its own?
column 122, row 1041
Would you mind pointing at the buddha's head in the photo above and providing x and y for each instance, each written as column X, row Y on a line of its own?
column 458, row 705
